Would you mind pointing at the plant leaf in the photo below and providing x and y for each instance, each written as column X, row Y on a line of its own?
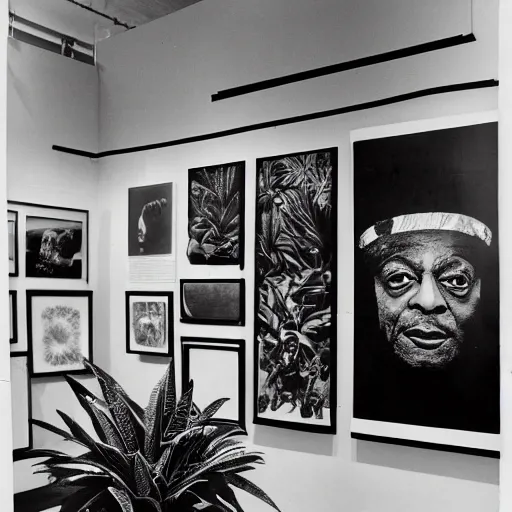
column 181, row 417
column 143, row 478
column 122, row 498
column 36, row 454
column 153, row 419
column 125, row 417
column 248, row 486
column 212, row 409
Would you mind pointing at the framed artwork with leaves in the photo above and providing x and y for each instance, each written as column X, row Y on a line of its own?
column 216, row 214
column 295, row 291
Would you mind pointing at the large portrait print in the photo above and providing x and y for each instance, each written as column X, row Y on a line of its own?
column 426, row 369
column 295, row 291
column 216, row 215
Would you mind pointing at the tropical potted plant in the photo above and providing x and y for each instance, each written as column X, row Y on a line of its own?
column 168, row 457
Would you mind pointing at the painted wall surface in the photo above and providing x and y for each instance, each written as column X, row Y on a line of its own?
column 51, row 98
column 156, row 84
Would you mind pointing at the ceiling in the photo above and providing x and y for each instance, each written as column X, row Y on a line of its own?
column 67, row 18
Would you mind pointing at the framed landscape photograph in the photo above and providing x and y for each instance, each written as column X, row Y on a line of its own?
column 295, row 291
column 149, row 323
column 213, row 301
column 150, row 220
column 426, row 304
column 217, row 367
column 216, row 214
column 12, row 240
column 21, row 404
column 59, row 330
column 13, row 316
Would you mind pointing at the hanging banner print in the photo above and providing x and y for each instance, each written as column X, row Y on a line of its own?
column 426, row 309
column 295, row 291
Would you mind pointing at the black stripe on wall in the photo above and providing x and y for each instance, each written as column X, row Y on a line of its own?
column 466, row 86
column 402, row 53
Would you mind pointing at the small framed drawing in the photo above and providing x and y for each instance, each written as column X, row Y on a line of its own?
column 13, row 317
column 21, row 404
column 59, row 329
column 149, row 323
column 213, row 301
column 12, row 234
column 217, row 367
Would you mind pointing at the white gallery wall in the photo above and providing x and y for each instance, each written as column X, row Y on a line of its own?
column 50, row 98
column 155, row 85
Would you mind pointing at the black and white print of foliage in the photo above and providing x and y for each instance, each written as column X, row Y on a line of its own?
column 167, row 457
column 215, row 215
column 295, row 248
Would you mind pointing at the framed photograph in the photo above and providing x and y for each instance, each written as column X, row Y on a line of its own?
column 21, row 404
column 295, row 291
column 12, row 240
column 426, row 320
column 217, row 367
column 59, row 329
column 149, row 323
column 213, row 301
column 13, row 317
column 150, row 220
column 216, row 214
column 56, row 241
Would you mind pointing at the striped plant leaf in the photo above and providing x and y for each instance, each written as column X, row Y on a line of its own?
column 122, row 498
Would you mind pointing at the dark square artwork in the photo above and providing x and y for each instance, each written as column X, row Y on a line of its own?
column 150, row 220
column 213, row 301
column 426, row 280
column 216, row 215
column 295, row 317
column 54, row 248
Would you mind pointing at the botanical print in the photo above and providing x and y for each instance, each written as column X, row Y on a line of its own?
column 426, row 274
column 150, row 220
column 54, row 248
column 215, row 215
column 295, row 260
column 149, row 323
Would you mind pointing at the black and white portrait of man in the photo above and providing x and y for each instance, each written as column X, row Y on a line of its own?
column 426, row 279
column 150, row 220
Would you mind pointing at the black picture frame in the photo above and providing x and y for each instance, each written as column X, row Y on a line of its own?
column 185, row 318
column 88, row 294
column 60, row 208
column 13, row 316
column 170, row 322
column 16, row 243
column 17, row 453
column 333, row 236
column 219, row 344
column 240, row 170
